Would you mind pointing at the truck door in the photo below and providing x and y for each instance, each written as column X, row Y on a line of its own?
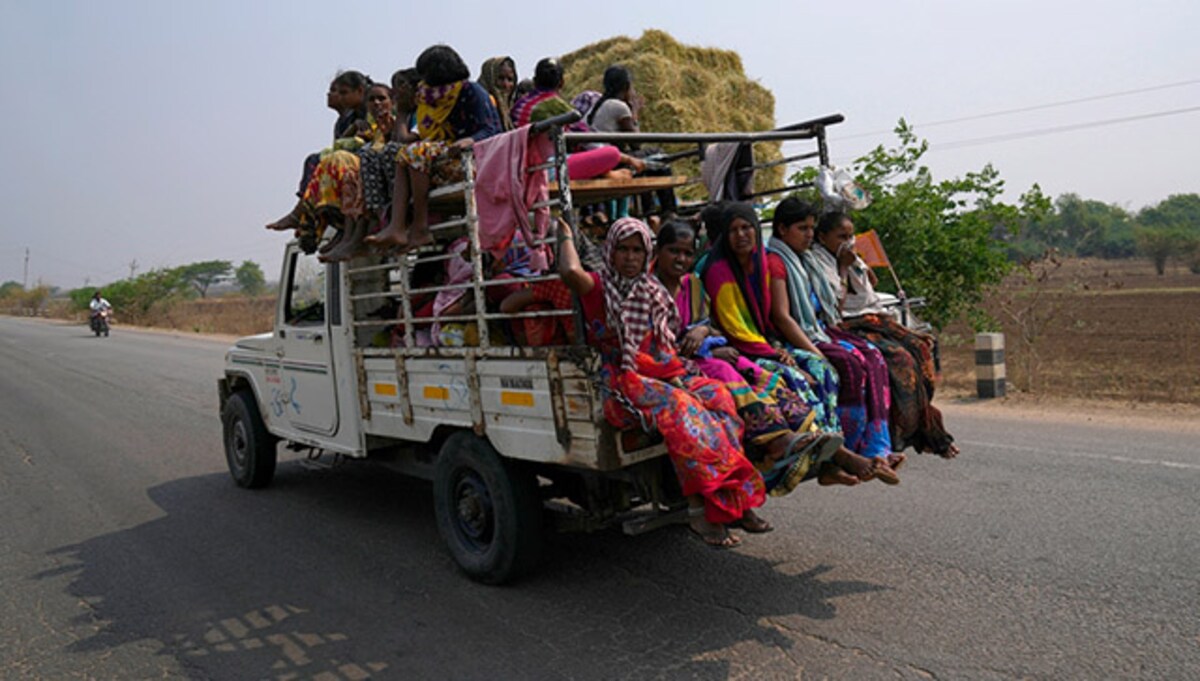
column 305, row 392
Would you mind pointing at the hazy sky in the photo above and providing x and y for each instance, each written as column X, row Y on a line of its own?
column 170, row 132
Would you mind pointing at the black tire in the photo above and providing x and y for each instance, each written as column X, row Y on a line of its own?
column 488, row 511
column 250, row 450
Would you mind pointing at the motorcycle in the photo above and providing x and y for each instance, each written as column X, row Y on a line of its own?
column 99, row 322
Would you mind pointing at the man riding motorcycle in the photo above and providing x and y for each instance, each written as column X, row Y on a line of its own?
column 101, row 309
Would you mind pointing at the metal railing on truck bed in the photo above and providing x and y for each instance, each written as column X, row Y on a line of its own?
column 408, row 381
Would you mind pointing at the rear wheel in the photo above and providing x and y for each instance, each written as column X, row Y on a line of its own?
column 250, row 450
column 488, row 510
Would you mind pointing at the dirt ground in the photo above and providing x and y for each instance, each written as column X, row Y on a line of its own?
column 1113, row 330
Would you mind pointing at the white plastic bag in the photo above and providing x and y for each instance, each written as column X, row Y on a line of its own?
column 840, row 191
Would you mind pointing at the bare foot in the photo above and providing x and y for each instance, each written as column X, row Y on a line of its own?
column 832, row 475
column 394, row 235
column 896, row 460
column 855, row 464
column 753, row 523
column 289, row 221
column 716, row 536
column 884, row 472
column 951, row 452
column 419, row 234
column 348, row 245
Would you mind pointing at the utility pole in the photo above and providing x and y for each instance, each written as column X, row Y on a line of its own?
column 133, row 268
column 25, row 277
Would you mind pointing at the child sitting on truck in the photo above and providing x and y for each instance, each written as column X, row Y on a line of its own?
column 628, row 313
column 453, row 112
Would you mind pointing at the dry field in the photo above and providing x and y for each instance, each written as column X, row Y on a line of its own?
column 1113, row 330
column 234, row 315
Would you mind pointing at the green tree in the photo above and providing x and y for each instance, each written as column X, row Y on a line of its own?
column 133, row 298
column 1162, row 243
column 201, row 275
column 1170, row 229
column 9, row 288
column 249, row 277
column 1180, row 211
column 947, row 239
column 1083, row 227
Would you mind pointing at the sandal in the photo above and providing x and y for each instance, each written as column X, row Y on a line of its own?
column 717, row 536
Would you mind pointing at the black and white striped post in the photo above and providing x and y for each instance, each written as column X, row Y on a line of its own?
column 989, row 365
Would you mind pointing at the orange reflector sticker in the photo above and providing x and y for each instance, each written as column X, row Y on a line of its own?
column 516, row 399
column 386, row 389
column 436, row 392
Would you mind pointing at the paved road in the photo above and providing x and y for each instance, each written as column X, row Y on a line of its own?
column 1049, row 550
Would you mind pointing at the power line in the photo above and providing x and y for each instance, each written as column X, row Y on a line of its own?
column 1035, row 107
column 958, row 144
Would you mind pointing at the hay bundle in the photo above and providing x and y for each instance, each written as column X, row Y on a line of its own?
column 687, row 89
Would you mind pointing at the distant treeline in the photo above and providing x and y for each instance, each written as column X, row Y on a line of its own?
column 1088, row 228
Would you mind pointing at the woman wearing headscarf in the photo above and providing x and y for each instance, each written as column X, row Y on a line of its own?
column 782, row 438
column 629, row 318
column 849, row 291
column 806, row 305
column 498, row 76
column 746, row 307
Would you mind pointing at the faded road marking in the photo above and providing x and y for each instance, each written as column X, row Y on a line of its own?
column 1088, row 455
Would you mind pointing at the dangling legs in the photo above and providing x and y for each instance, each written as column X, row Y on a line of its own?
column 420, row 234
column 351, row 241
column 396, row 233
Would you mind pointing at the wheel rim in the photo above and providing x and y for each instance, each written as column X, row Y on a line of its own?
column 239, row 444
column 474, row 517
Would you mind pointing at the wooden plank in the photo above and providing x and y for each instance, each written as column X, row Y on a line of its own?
column 586, row 191
column 592, row 191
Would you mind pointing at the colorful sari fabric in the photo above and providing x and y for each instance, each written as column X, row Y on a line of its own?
column 741, row 309
column 763, row 399
column 696, row 416
column 698, row 421
column 446, row 114
column 914, row 420
column 335, row 184
column 377, row 163
column 434, row 104
column 863, row 400
column 540, row 105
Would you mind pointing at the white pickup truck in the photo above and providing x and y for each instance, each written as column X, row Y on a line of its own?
column 513, row 438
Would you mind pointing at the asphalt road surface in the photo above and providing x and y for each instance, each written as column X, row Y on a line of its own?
column 1050, row 549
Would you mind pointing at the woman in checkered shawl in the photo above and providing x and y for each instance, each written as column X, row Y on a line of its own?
column 630, row 316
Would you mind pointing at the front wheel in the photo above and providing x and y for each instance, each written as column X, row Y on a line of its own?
column 488, row 511
column 250, row 450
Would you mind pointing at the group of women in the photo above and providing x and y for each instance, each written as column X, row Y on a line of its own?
column 766, row 365
column 393, row 143
column 745, row 365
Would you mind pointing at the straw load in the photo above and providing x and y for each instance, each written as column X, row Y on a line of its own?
column 686, row 88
